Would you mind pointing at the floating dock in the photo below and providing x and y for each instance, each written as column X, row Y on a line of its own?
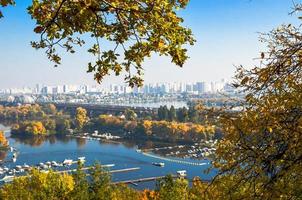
column 148, row 179
column 174, row 160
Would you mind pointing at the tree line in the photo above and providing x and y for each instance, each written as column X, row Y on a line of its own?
column 98, row 186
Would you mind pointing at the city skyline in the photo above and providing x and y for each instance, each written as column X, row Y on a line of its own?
column 198, row 87
column 226, row 34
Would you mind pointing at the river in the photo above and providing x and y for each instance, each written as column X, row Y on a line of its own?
column 124, row 155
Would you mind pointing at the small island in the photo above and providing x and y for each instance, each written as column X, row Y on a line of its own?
column 170, row 125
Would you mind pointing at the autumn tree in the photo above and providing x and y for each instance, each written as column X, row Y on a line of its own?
column 62, row 125
column 261, row 151
column 39, row 186
column 50, row 124
column 168, row 188
column 183, row 114
column 81, row 189
column 130, row 114
column 50, row 109
column 100, row 182
column 3, row 140
column 172, row 114
column 147, row 126
column 130, row 126
column 81, row 118
column 163, row 113
column 32, row 127
column 136, row 30
column 4, row 3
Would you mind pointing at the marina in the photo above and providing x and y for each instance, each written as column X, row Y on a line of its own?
column 198, row 151
column 124, row 160
column 202, row 150
column 9, row 178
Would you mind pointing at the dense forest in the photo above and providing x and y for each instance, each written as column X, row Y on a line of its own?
column 46, row 120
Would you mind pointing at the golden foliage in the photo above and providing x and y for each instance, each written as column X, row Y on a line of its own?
column 147, row 125
column 136, row 28
column 39, row 186
column 261, row 153
column 81, row 117
column 3, row 140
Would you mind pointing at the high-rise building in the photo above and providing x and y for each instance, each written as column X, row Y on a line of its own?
column 200, row 87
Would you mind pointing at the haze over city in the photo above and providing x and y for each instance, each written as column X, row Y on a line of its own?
column 226, row 34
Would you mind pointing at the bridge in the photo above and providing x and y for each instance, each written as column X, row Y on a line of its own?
column 94, row 110
column 98, row 109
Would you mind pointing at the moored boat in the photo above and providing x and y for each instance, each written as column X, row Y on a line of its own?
column 7, row 179
column 159, row 164
column 67, row 162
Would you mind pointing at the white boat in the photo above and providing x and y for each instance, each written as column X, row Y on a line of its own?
column 55, row 164
column 159, row 164
column 81, row 158
column 7, row 179
column 181, row 173
column 18, row 167
column 44, row 166
column 67, row 162
column 108, row 165
column 25, row 166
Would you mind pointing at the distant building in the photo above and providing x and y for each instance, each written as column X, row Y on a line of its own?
column 200, row 87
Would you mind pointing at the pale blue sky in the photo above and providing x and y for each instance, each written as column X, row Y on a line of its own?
column 226, row 33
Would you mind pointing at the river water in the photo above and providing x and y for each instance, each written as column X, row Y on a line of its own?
column 124, row 155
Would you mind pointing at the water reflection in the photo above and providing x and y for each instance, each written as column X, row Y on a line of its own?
column 3, row 155
column 36, row 141
column 81, row 142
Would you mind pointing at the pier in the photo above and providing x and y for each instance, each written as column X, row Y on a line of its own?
column 175, row 160
column 111, row 171
column 10, row 178
column 155, row 178
column 82, row 169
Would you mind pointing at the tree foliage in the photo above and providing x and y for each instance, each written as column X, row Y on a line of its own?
column 3, row 140
column 172, row 189
column 130, row 114
column 39, row 186
column 81, row 117
column 4, row 3
column 159, row 129
column 50, row 109
column 262, row 148
column 135, row 29
column 23, row 112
